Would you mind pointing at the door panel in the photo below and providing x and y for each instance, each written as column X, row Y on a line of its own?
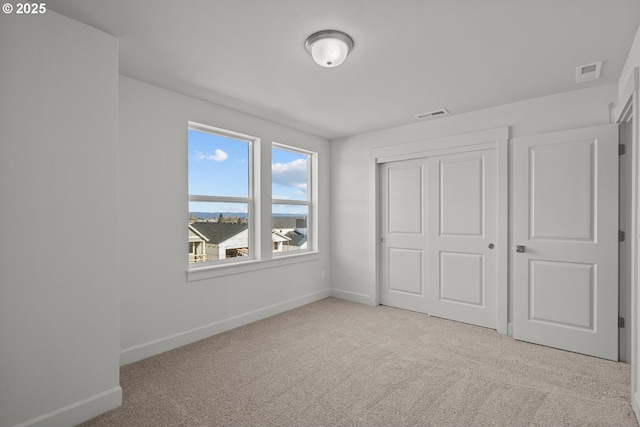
column 405, row 270
column 405, row 189
column 461, row 278
column 565, row 216
column 461, row 196
column 402, row 218
column 462, row 224
column 563, row 198
column 562, row 293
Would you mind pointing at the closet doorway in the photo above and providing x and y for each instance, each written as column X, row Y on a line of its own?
column 442, row 230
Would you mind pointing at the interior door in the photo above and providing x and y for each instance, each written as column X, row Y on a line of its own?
column 462, row 231
column 565, row 235
column 403, row 234
column 438, row 228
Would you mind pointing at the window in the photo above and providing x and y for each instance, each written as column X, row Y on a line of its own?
column 291, row 199
column 220, row 195
column 233, row 224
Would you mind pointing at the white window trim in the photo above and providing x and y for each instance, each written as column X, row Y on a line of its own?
column 226, row 269
column 253, row 209
column 311, row 201
column 260, row 258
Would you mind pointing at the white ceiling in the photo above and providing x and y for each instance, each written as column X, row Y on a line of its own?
column 410, row 56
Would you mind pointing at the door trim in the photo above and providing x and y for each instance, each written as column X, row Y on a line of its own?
column 629, row 111
column 490, row 138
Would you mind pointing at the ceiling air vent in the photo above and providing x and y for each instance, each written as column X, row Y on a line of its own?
column 435, row 113
column 588, row 72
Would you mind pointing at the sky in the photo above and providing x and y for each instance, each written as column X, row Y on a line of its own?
column 218, row 166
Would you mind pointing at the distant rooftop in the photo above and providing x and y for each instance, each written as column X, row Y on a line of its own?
column 283, row 222
column 218, row 232
column 297, row 239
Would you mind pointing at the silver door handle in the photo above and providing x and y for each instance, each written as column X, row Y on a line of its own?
column 520, row 248
column 383, row 240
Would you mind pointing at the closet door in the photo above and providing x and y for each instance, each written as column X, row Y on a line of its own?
column 438, row 234
column 403, row 234
column 462, row 230
column 565, row 235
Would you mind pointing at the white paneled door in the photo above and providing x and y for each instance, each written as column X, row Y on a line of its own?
column 565, row 237
column 461, row 235
column 438, row 234
column 403, row 234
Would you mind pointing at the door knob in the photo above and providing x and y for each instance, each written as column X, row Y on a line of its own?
column 491, row 246
column 383, row 240
column 520, row 248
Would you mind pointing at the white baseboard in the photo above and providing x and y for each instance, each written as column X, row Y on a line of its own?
column 142, row 351
column 352, row 296
column 78, row 412
column 635, row 403
column 510, row 329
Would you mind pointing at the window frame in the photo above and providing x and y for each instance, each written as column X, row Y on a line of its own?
column 311, row 224
column 249, row 200
column 260, row 204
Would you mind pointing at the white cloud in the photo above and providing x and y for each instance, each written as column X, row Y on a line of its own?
column 292, row 174
column 219, row 156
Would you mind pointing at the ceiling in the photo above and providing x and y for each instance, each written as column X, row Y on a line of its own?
column 410, row 56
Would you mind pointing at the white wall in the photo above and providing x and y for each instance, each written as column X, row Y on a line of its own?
column 353, row 270
column 633, row 61
column 159, row 308
column 59, row 319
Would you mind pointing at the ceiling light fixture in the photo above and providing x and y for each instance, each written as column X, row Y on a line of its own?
column 329, row 48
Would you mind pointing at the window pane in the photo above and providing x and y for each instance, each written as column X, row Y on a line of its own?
column 218, row 165
column 289, row 174
column 289, row 228
column 218, row 231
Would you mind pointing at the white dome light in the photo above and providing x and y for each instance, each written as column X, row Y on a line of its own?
column 329, row 48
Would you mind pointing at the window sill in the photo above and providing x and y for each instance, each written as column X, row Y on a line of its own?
column 212, row 271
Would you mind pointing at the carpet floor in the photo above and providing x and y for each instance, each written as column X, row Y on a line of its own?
column 338, row 363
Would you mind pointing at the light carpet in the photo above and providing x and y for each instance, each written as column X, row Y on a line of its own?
column 338, row 363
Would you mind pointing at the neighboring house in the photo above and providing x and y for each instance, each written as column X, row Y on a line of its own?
column 279, row 241
column 301, row 225
column 297, row 240
column 210, row 241
column 285, row 224
column 224, row 240
column 197, row 242
column 289, row 233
